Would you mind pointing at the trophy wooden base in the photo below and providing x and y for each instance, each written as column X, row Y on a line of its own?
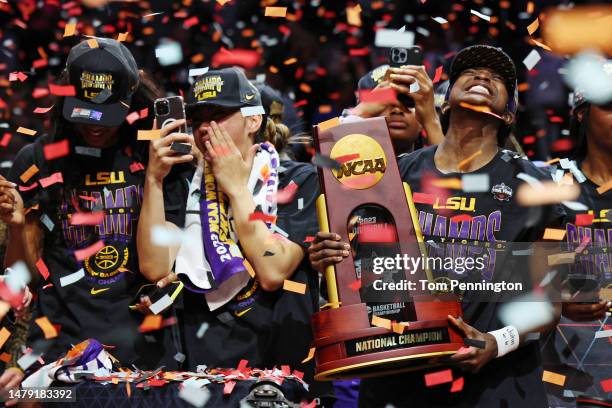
column 347, row 346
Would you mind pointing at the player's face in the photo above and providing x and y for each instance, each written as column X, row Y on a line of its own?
column 480, row 87
column 403, row 127
column 96, row 135
column 229, row 118
column 599, row 126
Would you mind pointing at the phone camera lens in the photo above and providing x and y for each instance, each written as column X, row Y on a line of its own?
column 162, row 107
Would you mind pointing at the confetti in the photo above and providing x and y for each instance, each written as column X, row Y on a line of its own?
column 440, row 20
column 42, row 268
column 72, row 278
column 26, row 131
column 355, row 285
column 475, row 183
column 197, row 71
column 527, row 313
column 252, row 111
column 311, row 353
column 604, row 187
column 479, row 108
column 92, row 43
column 164, row 302
column 56, row 150
column 28, row 359
column 531, row 28
column 82, row 254
column 554, row 234
column 62, row 90
column 293, row 286
column 52, row 179
column 6, row 139
column 202, row 330
column 531, row 60
column 153, row 134
column 601, row 334
column 438, row 377
column 606, row 385
column 377, row 95
column 150, row 323
column 457, row 385
column 248, row 268
column 353, row 15
column 480, row 15
column 46, row 326
column 393, row 38
column 69, row 30
column 43, row 110
column 27, row 175
column 123, row 36
column 561, row 258
column 88, row 151
column 5, row 334
column 378, row 321
column 453, row 183
column 275, row 12
column 463, row 164
column 585, row 241
column 398, row 327
column 286, row 194
column 553, row 378
column 259, row 216
column 584, row 219
column 481, row 344
column 438, row 74
column 328, row 124
column 320, row 160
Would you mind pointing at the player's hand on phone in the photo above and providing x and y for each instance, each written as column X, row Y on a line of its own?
column 472, row 359
column 144, row 303
column 161, row 155
column 11, row 204
column 327, row 249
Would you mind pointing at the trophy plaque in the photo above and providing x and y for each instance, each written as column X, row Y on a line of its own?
column 368, row 182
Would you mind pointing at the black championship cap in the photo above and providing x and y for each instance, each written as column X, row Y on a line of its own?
column 227, row 87
column 105, row 78
column 485, row 56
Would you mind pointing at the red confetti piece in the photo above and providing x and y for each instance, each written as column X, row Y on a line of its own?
column 62, row 90
column 259, row 216
column 242, row 365
column 132, row 117
column 298, row 374
column 40, row 93
column 144, row 113
column 355, row 286
column 56, row 150
column 190, row 22
column 457, row 385
column 438, row 74
column 42, row 268
column 286, row 195
column 439, row 377
column 378, row 95
column 87, row 218
column 82, row 254
column 309, row 238
column 359, row 52
column 88, row 198
column 244, row 58
column 136, row 166
column 606, row 385
column 6, row 139
column 368, row 233
column 584, row 219
column 229, row 387
column 28, row 188
column 52, row 179
column 43, row 110
column 423, row 198
column 461, row 217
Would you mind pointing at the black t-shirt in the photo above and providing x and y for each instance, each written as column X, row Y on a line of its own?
column 95, row 305
column 265, row 328
column 514, row 379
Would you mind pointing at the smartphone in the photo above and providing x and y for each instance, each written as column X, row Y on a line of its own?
column 398, row 57
column 155, row 293
column 167, row 111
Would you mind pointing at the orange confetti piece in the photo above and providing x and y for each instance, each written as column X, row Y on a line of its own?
column 249, row 268
column 290, row 61
column 530, row 7
column 464, row 163
column 552, row 161
column 293, row 286
column 69, row 30
column 153, row 134
column 478, row 108
column 276, row 12
column 454, row 183
column 554, row 234
column 310, row 355
column 328, row 124
column 223, row 2
column 46, row 326
column 353, row 15
column 150, row 323
column 398, row 328
column 5, row 334
column 381, row 322
column 26, row 131
column 605, row 187
column 128, row 389
column 531, row 28
column 123, row 36
column 541, row 45
column 553, row 378
column 26, row 175
column 5, row 357
column 92, row 43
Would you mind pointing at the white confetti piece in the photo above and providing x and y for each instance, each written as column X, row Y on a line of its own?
column 88, row 151
column 27, row 360
column 17, row 276
column 72, row 278
column 197, row 71
column 423, row 31
column 568, row 394
column 480, row 15
column 194, row 396
column 588, row 72
column 527, row 313
column 440, row 20
column 162, row 235
column 161, row 304
column 169, row 53
column 202, row 330
column 252, row 110
column 393, row 38
column 575, row 205
column 475, row 183
column 548, row 278
column 47, row 222
column 532, row 59
column 300, row 203
column 603, row 334
column 180, row 357
column 414, row 87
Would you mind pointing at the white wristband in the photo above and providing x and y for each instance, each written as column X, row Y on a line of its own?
column 507, row 340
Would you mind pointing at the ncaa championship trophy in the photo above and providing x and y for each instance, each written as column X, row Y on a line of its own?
column 347, row 345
